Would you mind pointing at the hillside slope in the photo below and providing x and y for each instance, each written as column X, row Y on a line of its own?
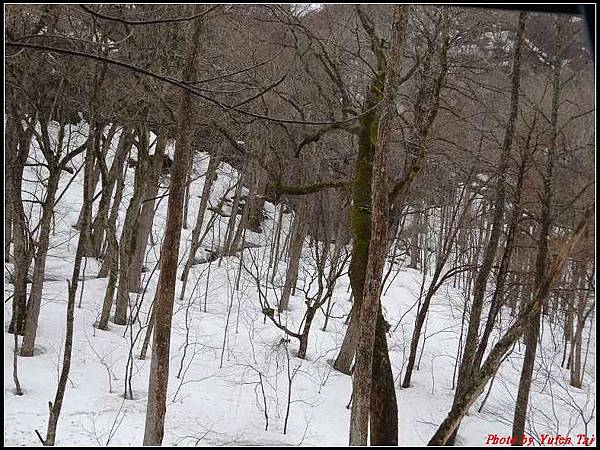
column 233, row 379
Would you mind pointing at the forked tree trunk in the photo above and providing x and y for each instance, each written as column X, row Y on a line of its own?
column 130, row 229
column 229, row 233
column 146, row 217
column 99, row 223
column 370, row 311
column 91, row 173
column 82, row 243
column 121, row 173
column 236, row 242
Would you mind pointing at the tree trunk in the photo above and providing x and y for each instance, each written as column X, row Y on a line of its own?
column 333, row 268
column 146, row 343
column 466, row 370
column 414, row 242
column 235, row 244
column 310, row 315
column 211, row 176
column 82, row 244
column 121, row 172
column 8, row 182
column 146, row 217
column 498, row 296
column 295, row 252
column 18, row 143
column 274, row 254
column 541, row 263
column 362, row 380
column 414, row 343
column 165, row 294
column 90, row 180
column 99, row 223
column 130, row 230
column 113, row 264
column 232, row 219
column 35, row 298
column 383, row 429
column 576, row 373
column 445, row 249
column 256, row 201
column 360, row 225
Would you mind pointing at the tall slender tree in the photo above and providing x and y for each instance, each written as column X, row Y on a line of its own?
column 165, row 294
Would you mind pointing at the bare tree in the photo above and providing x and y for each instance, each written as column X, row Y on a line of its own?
column 163, row 304
column 370, row 312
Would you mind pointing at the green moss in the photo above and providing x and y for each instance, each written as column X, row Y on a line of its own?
column 361, row 190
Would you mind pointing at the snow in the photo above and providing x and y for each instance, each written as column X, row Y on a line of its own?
column 218, row 404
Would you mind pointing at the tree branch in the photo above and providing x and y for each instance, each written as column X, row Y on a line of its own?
column 146, row 22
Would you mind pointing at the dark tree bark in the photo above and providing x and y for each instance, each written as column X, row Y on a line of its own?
column 108, row 185
column 310, row 315
column 541, row 262
column 415, row 257
column 146, row 216
column 360, row 223
column 17, row 148
column 362, row 380
column 467, row 369
column 9, row 156
column 274, row 254
column 90, row 181
column 383, row 423
column 120, row 173
column 113, row 267
column 165, row 294
column 130, row 228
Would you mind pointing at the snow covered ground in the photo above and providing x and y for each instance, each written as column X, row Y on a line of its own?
column 231, row 374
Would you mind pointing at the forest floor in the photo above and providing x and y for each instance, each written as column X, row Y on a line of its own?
column 233, row 379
